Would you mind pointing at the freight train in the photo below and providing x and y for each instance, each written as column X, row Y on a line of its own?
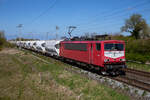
column 107, row 56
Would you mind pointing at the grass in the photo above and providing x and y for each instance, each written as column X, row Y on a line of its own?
column 143, row 67
column 24, row 77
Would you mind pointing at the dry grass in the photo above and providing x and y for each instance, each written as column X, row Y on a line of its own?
column 19, row 82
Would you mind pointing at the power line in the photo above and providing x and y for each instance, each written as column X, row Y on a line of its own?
column 97, row 16
column 113, row 24
column 113, row 21
column 113, row 15
column 45, row 11
column 115, row 12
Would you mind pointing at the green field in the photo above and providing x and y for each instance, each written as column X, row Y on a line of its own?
column 24, row 76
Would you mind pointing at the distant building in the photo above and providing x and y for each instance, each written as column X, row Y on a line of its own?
column 103, row 37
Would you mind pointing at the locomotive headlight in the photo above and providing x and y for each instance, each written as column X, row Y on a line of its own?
column 122, row 59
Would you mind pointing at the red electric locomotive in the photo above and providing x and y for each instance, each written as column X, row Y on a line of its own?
column 106, row 55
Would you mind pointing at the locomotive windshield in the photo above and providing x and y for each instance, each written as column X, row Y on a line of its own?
column 113, row 46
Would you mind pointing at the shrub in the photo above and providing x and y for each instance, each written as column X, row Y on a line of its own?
column 137, row 57
column 2, row 42
column 138, row 50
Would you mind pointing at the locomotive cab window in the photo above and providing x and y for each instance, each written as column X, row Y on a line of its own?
column 98, row 46
column 113, row 46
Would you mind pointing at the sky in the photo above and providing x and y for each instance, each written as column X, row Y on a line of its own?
column 39, row 18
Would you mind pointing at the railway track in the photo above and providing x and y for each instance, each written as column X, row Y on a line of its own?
column 138, row 72
column 133, row 82
column 130, row 78
column 137, row 78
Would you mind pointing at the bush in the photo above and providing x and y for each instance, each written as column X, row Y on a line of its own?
column 138, row 57
column 138, row 46
column 2, row 42
column 137, row 50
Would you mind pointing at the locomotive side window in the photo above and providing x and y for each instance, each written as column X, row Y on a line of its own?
column 111, row 47
column 76, row 46
column 98, row 46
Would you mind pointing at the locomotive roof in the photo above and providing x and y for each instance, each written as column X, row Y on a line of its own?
column 102, row 41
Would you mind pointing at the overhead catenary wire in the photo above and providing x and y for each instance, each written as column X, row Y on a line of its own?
column 112, row 18
column 110, row 21
column 110, row 13
column 113, row 13
column 44, row 12
column 107, row 15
